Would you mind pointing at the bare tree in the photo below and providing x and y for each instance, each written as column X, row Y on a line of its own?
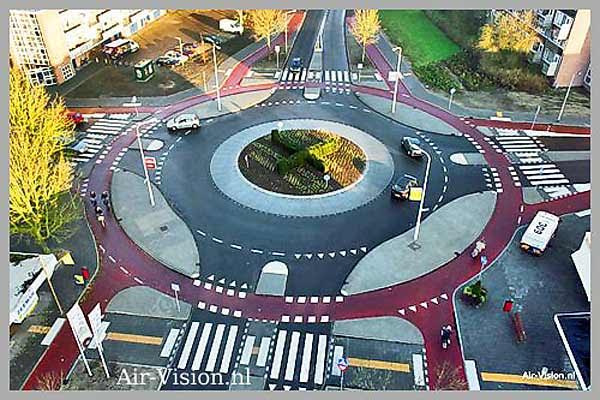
column 449, row 378
column 50, row 381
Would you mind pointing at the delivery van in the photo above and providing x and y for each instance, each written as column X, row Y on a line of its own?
column 230, row 25
column 539, row 233
column 120, row 47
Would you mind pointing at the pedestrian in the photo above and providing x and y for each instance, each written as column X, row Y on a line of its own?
column 104, row 195
column 93, row 199
column 106, row 204
column 101, row 220
column 99, row 211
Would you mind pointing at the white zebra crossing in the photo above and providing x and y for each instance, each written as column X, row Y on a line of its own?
column 543, row 175
column 201, row 346
column 300, row 345
column 212, row 357
column 187, row 347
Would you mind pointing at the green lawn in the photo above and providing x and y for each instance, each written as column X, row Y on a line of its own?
column 421, row 40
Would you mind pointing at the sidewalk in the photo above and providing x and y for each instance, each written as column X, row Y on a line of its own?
column 416, row 88
column 157, row 230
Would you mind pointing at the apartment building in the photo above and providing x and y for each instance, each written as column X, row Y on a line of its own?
column 51, row 45
column 563, row 47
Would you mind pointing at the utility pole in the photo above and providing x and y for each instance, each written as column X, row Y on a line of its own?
column 146, row 175
column 562, row 108
column 399, row 49
column 44, row 267
column 214, row 50
column 418, row 225
column 536, row 116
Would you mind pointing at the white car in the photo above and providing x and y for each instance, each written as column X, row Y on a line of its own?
column 183, row 121
column 230, row 25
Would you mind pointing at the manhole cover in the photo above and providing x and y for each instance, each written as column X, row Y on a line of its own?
column 164, row 228
column 414, row 246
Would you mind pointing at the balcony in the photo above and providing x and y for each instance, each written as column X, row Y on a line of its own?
column 549, row 68
column 535, row 54
column 110, row 32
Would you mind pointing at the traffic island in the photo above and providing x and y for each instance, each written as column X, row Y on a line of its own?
column 157, row 230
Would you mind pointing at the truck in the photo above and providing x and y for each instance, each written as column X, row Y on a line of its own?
column 539, row 232
column 120, row 47
column 230, row 25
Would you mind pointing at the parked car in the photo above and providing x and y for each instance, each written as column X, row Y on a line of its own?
column 412, row 146
column 120, row 47
column 212, row 39
column 296, row 64
column 230, row 25
column 401, row 189
column 188, row 48
column 183, row 121
column 171, row 57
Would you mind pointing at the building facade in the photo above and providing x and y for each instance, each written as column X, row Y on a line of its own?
column 51, row 45
column 562, row 49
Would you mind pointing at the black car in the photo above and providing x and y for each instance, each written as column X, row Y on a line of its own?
column 296, row 64
column 412, row 146
column 166, row 60
column 401, row 189
column 212, row 39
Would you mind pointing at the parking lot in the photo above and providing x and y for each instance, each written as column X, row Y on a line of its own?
column 115, row 79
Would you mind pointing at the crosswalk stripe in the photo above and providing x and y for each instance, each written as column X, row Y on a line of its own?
column 340, row 76
column 550, row 182
column 80, row 159
column 277, row 358
column 187, row 348
column 537, row 166
column 96, row 136
column 214, row 350
column 263, row 352
column 103, row 130
column 544, row 176
column 201, row 346
column 169, row 343
column 327, row 75
column 320, row 365
column 544, row 171
column 247, row 350
column 292, row 353
column 303, row 76
column 333, row 76
column 228, row 349
column 284, row 74
column 107, row 126
column 306, row 355
column 346, row 76
column 504, row 139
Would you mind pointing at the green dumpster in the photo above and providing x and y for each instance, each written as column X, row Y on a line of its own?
column 144, row 70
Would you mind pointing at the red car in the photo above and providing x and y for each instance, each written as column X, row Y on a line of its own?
column 76, row 118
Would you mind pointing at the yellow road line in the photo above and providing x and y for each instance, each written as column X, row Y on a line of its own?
column 38, row 329
column 375, row 364
column 127, row 337
column 120, row 337
column 513, row 378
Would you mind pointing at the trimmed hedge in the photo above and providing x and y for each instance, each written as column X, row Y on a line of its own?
column 312, row 155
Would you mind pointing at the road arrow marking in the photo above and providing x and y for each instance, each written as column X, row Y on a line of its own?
column 434, row 300
column 363, row 249
column 309, row 256
column 413, row 308
column 211, row 278
column 331, row 255
column 353, row 251
column 444, row 296
column 297, row 256
column 424, row 305
column 401, row 311
column 343, row 253
column 320, row 255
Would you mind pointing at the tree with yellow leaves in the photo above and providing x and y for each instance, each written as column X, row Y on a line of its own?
column 366, row 28
column 41, row 205
column 510, row 32
column 265, row 23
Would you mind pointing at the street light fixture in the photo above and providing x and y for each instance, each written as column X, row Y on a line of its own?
column 562, row 108
column 399, row 50
column 452, row 91
column 420, row 213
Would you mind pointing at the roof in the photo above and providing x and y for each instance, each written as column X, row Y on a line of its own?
column 117, row 43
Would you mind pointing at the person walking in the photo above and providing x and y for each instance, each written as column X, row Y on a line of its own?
column 100, row 216
column 106, row 204
column 93, row 199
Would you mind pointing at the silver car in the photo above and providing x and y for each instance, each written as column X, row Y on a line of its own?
column 183, row 121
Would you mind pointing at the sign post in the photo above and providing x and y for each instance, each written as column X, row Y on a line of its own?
column 342, row 364
column 150, row 162
column 277, row 50
column 176, row 289
column 326, row 178
column 95, row 318
column 81, row 331
column 360, row 67
column 484, row 261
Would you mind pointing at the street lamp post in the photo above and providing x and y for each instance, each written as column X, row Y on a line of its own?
column 562, row 108
column 216, row 77
column 146, row 175
column 452, row 91
column 399, row 50
column 418, row 225
column 277, row 50
column 537, row 111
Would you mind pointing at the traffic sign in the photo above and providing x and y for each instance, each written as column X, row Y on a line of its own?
column 277, row 49
column 415, row 194
column 150, row 162
column 342, row 364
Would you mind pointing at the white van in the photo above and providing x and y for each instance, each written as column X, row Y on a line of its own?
column 230, row 25
column 539, row 232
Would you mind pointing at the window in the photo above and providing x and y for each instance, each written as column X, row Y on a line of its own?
column 67, row 71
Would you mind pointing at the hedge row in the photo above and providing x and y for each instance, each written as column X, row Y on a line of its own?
column 313, row 155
